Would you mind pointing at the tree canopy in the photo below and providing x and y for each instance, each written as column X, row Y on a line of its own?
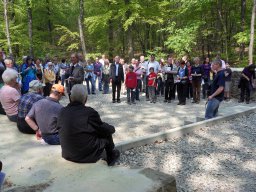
column 130, row 27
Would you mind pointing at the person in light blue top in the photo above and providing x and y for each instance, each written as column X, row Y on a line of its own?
column 28, row 74
column 90, row 77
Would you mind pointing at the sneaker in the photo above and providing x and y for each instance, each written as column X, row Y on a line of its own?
column 114, row 157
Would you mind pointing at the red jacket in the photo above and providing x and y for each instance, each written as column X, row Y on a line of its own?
column 152, row 82
column 131, row 80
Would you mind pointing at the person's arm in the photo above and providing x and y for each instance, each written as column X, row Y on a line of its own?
column 217, row 92
column 31, row 123
column 247, row 78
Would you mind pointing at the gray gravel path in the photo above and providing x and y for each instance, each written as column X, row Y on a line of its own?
column 217, row 158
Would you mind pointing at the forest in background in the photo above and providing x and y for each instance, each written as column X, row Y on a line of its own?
column 128, row 28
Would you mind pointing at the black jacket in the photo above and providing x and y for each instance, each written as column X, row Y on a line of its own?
column 112, row 72
column 82, row 133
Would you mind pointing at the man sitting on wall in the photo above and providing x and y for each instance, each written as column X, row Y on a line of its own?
column 83, row 136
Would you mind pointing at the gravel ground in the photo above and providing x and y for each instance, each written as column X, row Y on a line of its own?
column 217, row 158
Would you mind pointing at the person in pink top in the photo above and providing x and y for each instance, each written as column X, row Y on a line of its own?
column 9, row 95
column 139, row 72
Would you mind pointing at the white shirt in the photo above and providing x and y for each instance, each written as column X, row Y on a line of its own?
column 154, row 64
column 102, row 62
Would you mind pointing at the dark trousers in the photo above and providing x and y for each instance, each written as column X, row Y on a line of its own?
column 189, row 90
column 130, row 95
column 2, row 112
column 196, row 90
column 24, row 127
column 182, row 92
column 116, row 87
column 109, row 146
column 147, row 95
column 47, row 89
column 205, row 90
column 168, row 89
column 160, row 86
column 245, row 89
column 51, row 139
column 13, row 118
column 174, row 91
column 138, row 89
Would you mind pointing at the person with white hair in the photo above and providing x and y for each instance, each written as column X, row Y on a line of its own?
column 26, row 102
column 9, row 95
column 83, row 135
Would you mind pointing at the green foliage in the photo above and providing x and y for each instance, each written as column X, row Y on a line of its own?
column 242, row 37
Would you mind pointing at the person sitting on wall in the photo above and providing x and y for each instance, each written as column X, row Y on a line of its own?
column 83, row 135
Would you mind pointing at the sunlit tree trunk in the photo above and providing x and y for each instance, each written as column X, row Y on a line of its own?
column 252, row 33
column 243, row 9
column 81, row 26
column 7, row 26
column 30, row 30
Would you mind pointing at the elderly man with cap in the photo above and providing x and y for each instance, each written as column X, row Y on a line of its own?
column 42, row 117
column 83, row 135
column 26, row 103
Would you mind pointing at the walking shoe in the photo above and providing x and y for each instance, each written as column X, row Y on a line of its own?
column 114, row 157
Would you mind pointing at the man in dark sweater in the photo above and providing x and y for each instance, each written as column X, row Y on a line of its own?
column 83, row 136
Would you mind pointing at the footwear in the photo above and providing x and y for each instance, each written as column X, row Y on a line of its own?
column 154, row 101
column 247, row 102
column 193, row 101
column 240, row 101
column 179, row 103
column 118, row 101
column 94, row 93
column 113, row 101
column 169, row 101
column 183, row 103
column 114, row 157
column 165, row 100
column 151, row 101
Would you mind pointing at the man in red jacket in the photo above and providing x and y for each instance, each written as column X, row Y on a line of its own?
column 131, row 84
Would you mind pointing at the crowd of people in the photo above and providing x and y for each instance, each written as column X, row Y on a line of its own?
column 30, row 95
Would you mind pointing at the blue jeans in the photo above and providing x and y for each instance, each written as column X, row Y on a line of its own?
column 212, row 108
column 99, row 82
column 92, row 81
column 51, row 139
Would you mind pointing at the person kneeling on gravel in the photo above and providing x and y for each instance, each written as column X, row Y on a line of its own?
column 83, row 136
column 217, row 91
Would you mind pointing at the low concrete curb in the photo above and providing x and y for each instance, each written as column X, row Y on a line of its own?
column 180, row 131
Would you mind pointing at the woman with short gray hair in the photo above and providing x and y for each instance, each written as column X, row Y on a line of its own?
column 9, row 95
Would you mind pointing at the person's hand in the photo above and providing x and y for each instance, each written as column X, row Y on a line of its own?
column 38, row 134
column 110, row 80
column 210, row 97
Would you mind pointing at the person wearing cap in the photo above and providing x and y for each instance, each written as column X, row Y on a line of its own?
column 9, row 95
column 26, row 103
column 43, row 116
column 131, row 84
column 83, row 135
column 28, row 74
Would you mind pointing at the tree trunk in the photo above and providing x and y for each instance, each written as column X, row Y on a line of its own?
column 49, row 20
column 30, row 30
column 252, row 34
column 81, row 26
column 110, row 39
column 7, row 26
column 129, row 33
column 243, row 9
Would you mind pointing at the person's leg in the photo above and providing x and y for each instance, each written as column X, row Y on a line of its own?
column 128, row 95
column 100, row 83
column 184, row 91
column 198, row 91
column 24, row 127
column 154, row 94
column 179, row 90
column 133, row 96
column 119, row 84
column 243, row 88
column 212, row 108
column 113, row 91
column 51, row 139
column 175, row 87
column 88, row 86
column 13, row 118
column 171, row 85
column 147, row 94
column 137, row 91
column 194, row 90
column 248, row 91
column 167, row 88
